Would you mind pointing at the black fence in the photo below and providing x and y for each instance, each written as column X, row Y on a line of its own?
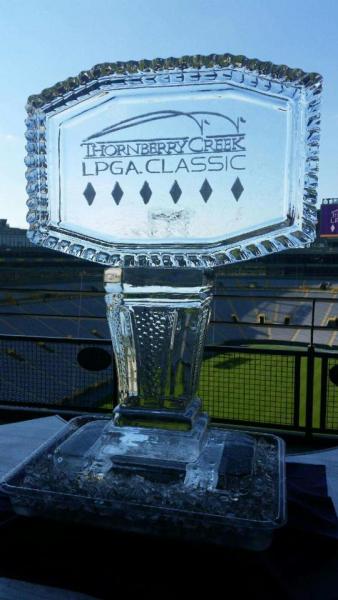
column 252, row 386
column 56, row 374
column 272, row 388
column 286, row 382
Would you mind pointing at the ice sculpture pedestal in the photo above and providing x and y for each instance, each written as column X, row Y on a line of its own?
column 157, row 466
column 217, row 164
column 158, row 321
column 158, row 455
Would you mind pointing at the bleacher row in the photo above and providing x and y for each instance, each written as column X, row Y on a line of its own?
column 52, row 367
column 235, row 319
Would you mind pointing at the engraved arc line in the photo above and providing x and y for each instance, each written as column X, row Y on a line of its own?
column 159, row 115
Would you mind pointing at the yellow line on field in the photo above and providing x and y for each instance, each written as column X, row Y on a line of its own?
column 50, row 327
column 295, row 335
column 257, row 312
column 235, row 313
column 327, row 312
column 83, row 309
column 276, row 312
column 334, row 334
column 11, row 326
column 275, row 317
column 332, row 337
column 20, row 331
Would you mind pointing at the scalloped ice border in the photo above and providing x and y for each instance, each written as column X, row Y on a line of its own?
column 279, row 79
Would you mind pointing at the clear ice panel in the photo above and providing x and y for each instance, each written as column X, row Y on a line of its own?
column 181, row 164
column 158, row 320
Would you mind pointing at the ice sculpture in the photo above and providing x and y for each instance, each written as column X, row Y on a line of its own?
column 160, row 171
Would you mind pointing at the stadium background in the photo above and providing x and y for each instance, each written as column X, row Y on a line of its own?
column 267, row 315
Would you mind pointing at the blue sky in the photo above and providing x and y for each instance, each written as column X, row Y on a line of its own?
column 44, row 41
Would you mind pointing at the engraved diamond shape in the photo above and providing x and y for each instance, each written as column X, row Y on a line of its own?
column 117, row 193
column 237, row 189
column 175, row 192
column 206, row 190
column 146, row 192
column 89, row 193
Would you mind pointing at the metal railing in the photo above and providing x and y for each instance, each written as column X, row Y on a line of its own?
column 48, row 373
column 272, row 388
column 275, row 385
column 290, row 390
column 245, row 311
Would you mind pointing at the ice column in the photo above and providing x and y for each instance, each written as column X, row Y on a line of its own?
column 158, row 320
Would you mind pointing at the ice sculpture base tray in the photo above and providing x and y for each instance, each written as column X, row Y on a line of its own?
column 242, row 509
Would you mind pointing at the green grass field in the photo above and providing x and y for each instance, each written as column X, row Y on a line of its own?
column 257, row 387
